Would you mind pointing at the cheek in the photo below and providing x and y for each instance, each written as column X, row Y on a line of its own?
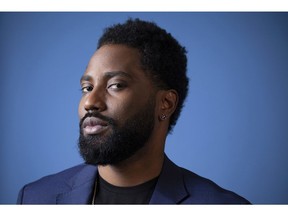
column 122, row 109
column 81, row 110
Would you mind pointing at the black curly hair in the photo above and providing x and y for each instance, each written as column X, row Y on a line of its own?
column 162, row 56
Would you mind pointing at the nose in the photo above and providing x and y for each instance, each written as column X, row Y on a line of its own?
column 95, row 100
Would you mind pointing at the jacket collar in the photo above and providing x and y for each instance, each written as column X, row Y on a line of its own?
column 82, row 186
column 169, row 189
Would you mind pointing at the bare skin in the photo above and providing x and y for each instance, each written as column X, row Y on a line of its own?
column 115, row 84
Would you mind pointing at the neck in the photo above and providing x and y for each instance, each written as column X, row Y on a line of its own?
column 141, row 167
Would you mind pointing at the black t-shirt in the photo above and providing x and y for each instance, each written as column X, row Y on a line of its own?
column 110, row 194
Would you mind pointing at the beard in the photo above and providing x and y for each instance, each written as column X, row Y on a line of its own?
column 119, row 143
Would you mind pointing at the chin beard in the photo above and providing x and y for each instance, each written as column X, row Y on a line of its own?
column 118, row 143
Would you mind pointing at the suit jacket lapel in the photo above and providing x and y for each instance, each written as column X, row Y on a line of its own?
column 82, row 186
column 170, row 187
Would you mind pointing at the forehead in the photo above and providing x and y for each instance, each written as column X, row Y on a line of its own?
column 111, row 58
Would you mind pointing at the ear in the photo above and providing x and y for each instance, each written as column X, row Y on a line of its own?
column 168, row 104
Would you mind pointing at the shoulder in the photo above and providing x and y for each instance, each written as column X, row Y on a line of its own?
column 46, row 189
column 181, row 186
column 208, row 191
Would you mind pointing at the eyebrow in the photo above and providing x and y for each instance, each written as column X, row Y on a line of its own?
column 85, row 78
column 107, row 75
column 117, row 73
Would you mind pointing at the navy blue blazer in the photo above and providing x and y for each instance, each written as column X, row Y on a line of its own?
column 175, row 186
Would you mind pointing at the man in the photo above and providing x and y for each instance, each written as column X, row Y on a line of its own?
column 133, row 91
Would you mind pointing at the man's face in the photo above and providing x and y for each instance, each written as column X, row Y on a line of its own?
column 117, row 108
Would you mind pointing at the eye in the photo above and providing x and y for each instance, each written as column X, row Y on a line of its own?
column 117, row 86
column 86, row 89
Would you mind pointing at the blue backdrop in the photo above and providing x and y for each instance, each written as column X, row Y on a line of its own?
column 233, row 128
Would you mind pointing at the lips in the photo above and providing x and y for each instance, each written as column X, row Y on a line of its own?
column 93, row 126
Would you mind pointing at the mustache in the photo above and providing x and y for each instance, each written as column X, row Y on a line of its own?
column 98, row 115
